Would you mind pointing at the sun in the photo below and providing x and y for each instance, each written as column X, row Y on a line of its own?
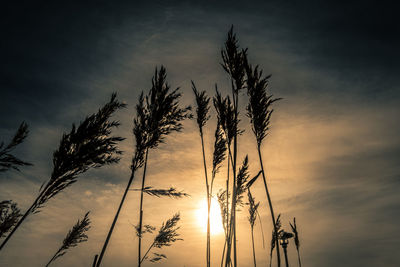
column 215, row 217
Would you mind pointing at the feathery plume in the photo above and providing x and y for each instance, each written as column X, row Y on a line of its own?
column 9, row 216
column 259, row 109
column 202, row 101
column 234, row 60
column 87, row 146
column 75, row 236
column 171, row 192
column 226, row 116
column 242, row 177
column 296, row 238
column 7, row 160
column 166, row 236
column 164, row 114
column 219, row 150
column 252, row 209
column 221, row 197
column 278, row 226
column 252, row 219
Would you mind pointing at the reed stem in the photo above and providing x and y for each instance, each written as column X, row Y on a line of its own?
column 254, row 250
column 103, row 250
column 270, row 206
column 141, row 209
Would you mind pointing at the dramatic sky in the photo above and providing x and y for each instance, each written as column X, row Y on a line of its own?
column 332, row 156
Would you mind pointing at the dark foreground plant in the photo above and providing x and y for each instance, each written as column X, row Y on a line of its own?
column 275, row 236
column 75, row 236
column 7, row 160
column 87, row 146
column 157, row 115
column 296, row 239
column 253, row 206
column 202, row 103
column 9, row 216
column 166, row 236
column 259, row 110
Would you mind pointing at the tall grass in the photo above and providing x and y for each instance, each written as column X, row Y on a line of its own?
column 87, row 146
column 296, row 239
column 9, row 211
column 9, row 216
column 167, row 235
column 259, row 110
column 7, row 160
column 75, row 236
column 253, row 207
column 157, row 115
column 219, row 154
column 275, row 236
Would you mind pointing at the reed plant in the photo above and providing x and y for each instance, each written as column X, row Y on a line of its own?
column 7, row 160
column 233, row 60
column 75, row 236
column 167, row 235
column 253, row 207
column 89, row 145
column 275, row 236
column 259, row 110
column 157, row 115
column 9, row 216
column 9, row 211
column 219, row 154
column 296, row 239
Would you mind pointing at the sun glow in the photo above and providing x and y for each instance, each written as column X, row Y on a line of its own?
column 215, row 217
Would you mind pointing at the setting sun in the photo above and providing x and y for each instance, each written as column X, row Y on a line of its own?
column 215, row 217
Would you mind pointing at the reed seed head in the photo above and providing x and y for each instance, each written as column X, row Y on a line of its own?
column 7, row 160
column 9, row 216
column 87, row 146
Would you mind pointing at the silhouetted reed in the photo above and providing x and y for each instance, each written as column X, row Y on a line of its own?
column 75, row 236
column 202, row 108
column 9, row 216
column 87, row 146
column 202, row 103
column 275, row 236
column 233, row 62
column 253, row 206
column 157, row 115
column 166, row 236
column 7, row 160
column 296, row 239
column 259, row 110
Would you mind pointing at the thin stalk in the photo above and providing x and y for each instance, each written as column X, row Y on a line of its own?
column 254, row 250
column 298, row 256
column 144, row 256
column 95, row 260
column 54, row 256
column 208, row 251
column 103, row 250
column 232, row 227
column 262, row 231
column 141, row 208
column 270, row 206
column 20, row 222
column 286, row 258
column 227, row 212
column 234, row 173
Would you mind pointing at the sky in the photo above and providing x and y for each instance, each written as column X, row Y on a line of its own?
column 331, row 156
